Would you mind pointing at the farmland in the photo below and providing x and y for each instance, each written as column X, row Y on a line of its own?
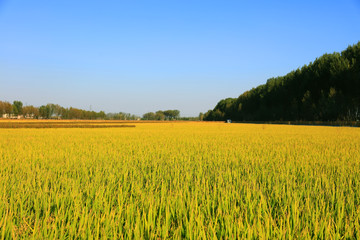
column 180, row 180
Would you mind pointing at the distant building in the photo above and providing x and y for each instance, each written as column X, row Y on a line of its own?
column 29, row 116
column 228, row 121
column 13, row 116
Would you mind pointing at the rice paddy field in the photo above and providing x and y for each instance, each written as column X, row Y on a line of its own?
column 176, row 180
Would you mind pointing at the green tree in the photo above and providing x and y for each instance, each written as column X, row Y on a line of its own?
column 201, row 116
column 45, row 111
column 159, row 115
column 171, row 114
column 17, row 107
column 326, row 89
column 149, row 116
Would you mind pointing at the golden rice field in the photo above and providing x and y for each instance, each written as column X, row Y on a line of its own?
column 180, row 180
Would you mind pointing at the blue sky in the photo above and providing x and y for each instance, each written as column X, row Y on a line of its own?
column 141, row 56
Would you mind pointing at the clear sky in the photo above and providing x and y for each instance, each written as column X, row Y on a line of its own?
column 141, row 56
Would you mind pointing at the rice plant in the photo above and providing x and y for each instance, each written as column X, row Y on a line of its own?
column 180, row 180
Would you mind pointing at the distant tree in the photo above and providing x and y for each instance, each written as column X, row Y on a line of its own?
column 171, row 114
column 159, row 115
column 168, row 114
column 17, row 107
column 75, row 113
column 176, row 114
column 5, row 108
column 201, row 116
column 188, row 118
column 64, row 113
column 101, row 115
column 45, row 111
column 120, row 116
column 51, row 110
column 149, row 116
column 2, row 108
column 31, row 111
column 55, row 110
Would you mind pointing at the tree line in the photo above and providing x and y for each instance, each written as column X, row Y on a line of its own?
column 327, row 89
column 55, row 111
column 47, row 111
column 162, row 115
